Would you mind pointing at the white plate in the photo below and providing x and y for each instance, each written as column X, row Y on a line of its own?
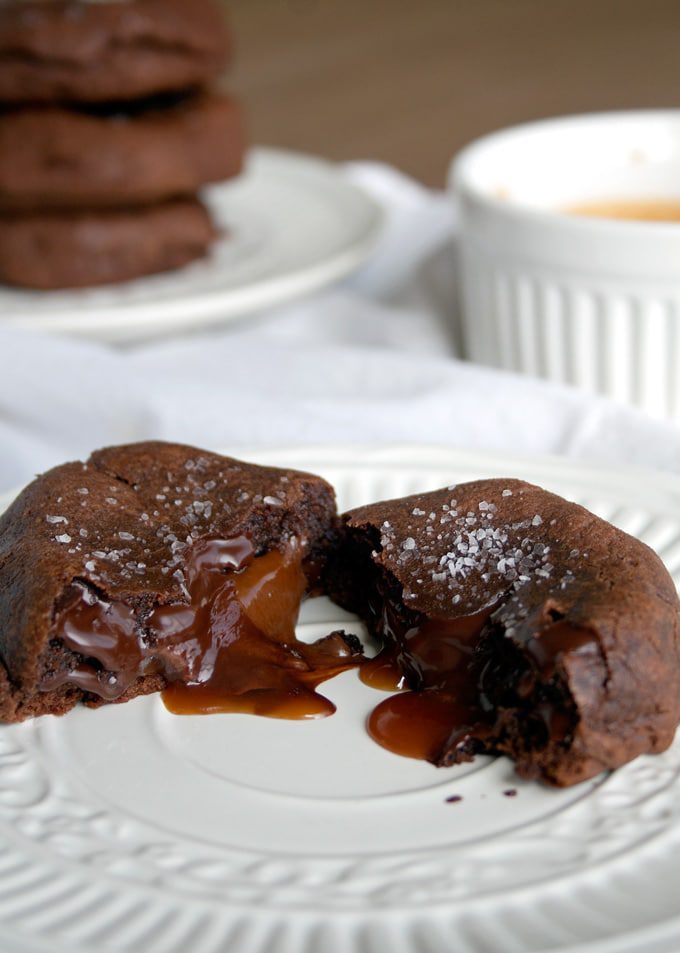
column 295, row 223
column 129, row 829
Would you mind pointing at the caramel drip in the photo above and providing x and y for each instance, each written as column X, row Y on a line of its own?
column 230, row 648
column 436, row 656
column 383, row 672
column 449, row 713
column 239, row 644
column 421, row 655
column 422, row 724
column 109, row 636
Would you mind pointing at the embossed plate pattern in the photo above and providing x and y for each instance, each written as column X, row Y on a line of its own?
column 128, row 829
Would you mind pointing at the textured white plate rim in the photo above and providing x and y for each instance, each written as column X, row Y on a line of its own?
column 597, row 477
column 425, row 456
column 194, row 310
column 635, row 480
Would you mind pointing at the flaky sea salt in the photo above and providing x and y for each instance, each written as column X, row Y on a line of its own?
column 185, row 506
column 471, row 546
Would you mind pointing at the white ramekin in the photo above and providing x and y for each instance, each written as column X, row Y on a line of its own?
column 584, row 301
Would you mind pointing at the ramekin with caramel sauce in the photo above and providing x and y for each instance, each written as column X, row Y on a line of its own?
column 570, row 253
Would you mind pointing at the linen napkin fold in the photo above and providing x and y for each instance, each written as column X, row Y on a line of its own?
column 59, row 399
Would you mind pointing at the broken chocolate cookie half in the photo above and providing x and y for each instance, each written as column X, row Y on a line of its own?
column 157, row 567
column 521, row 623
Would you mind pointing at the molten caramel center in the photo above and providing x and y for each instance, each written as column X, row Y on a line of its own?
column 456, row 694
column 445, row 708
column 231, row 647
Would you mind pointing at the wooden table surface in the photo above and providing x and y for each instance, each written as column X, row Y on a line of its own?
column 410, row 82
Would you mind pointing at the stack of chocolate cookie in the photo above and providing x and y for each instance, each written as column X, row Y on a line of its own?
column 108, row 129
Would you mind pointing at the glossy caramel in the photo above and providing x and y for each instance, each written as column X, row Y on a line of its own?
column 383, row 672
column 450, row 711
column 108, row 637
column 642, row 210
column 436, row 655
column 231, row 647
column 418, row 724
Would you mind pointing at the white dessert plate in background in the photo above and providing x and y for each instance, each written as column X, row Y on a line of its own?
column 128, row 829
column 292, row 223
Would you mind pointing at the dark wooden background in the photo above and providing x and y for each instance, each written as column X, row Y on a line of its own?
column 410, row 81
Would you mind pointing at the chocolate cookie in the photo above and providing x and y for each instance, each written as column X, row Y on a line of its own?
column 523, row 624
column 61, row 158
column 157, row 566
column 47, row 251
column 78, row 51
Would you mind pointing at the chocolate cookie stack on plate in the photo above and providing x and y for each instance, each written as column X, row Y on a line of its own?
column 108, row 129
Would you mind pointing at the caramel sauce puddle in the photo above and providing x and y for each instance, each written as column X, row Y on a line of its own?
column 434, row 659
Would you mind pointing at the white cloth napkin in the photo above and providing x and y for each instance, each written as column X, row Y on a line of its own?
column 369, row 362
